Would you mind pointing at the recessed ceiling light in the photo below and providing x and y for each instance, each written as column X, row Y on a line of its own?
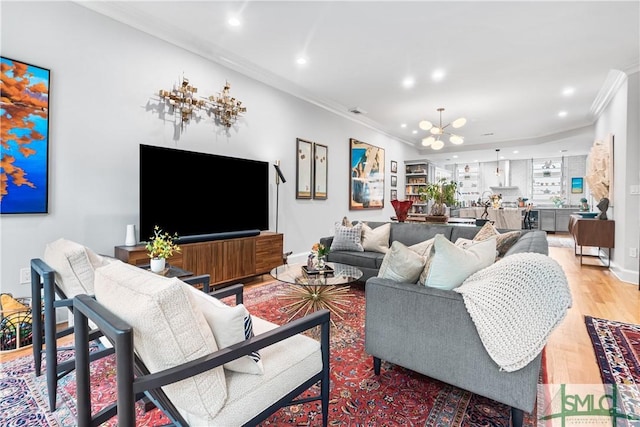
column 568, row 91
column 563, row 151
column 233, row 22
column 403, row 125
column 502, row 157
column 437, row 75
column 455, row 156
column 475, row 161
column 301, row 60
column 414, row 131
column 562, row 114
column 515, row 151
column 408, row 82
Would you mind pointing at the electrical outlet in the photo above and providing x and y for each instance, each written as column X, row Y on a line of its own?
column 633, row 252
column 25, row 275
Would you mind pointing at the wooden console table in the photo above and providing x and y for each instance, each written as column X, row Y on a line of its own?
column 592, row 232
column 223, row 260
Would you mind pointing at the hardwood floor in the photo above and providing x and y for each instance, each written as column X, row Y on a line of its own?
column 570, row 357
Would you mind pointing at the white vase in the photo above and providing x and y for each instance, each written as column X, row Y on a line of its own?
column 157, row 264
column 130, row 239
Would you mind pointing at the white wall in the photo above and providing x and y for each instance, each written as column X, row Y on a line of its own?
column 620, row 118
column 104, row 77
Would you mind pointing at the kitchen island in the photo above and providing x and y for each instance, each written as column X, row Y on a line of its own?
column 503, row 218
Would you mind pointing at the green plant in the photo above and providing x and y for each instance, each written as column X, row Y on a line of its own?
column 442, row 192
column 319, row 249
column 162, row 245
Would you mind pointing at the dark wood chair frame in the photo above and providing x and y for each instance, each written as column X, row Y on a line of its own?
column 44, row 325
column 133, row 380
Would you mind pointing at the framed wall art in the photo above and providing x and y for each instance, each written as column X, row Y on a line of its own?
column 304, row 168
column 394, row 194
column 320, row 171
column 394, row 166
column 577, row 185
column 24, row 112
column 366, row 176
column 394, row 180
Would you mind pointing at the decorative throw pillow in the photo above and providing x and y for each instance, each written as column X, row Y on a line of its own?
column 74, row 266
column 230, row 325
column 376, row 239
column 347, row 238
column 504, row 241
column 401, row 264
column 449, row 265
column 423, row 248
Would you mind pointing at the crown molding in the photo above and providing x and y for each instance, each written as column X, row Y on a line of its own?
column 614, row 81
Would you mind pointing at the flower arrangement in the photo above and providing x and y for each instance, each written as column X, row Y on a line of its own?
column 557, row 201
column 319, row 250
column 162, row 245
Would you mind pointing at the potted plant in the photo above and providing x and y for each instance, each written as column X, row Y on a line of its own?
column 160, row 247
column 443, row 194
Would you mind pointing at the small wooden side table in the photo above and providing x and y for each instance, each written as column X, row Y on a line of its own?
column 592, row 232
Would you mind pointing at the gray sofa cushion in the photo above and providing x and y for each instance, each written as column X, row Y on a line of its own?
column 532, row 241
column 412, row 233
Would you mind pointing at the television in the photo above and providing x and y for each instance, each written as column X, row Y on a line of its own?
column 201, row 196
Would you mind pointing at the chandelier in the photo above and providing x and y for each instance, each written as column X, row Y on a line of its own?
column 438, row 132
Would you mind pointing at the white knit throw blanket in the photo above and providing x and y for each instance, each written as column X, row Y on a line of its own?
column 515, row 304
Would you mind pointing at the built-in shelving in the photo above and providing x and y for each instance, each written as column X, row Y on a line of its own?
column 416, row 176
column 547, row 180
column 469, row 183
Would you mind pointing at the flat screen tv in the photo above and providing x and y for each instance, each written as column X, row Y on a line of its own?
column 197, row 194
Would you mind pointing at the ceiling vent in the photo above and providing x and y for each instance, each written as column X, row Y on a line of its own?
column 357, row 110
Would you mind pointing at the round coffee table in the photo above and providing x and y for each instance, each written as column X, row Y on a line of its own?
column 326, row 289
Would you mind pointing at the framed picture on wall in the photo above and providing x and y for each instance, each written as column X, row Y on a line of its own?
column 304, row 168
column 320, row 171
column 577, row 185
column 394, row 180
column 25, row 138
column 394, row 194
column 366, row 176
column 394, row 166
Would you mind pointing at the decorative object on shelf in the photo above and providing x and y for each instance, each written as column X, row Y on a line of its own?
column 24, row 115
column 394, row 166
column 161, row 246
column 558, row 201
column 366, row 176
column 319, row 252
column 584, row 205
column 443, row 194
column 522, row 201
column 466, row 169
column 402, row 208
column 225, row 108
column 130, row 237
column 603, row 205
column 496, row 200
column 182, row 99
column 438, row 131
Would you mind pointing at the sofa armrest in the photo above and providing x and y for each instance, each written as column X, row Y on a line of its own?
column 429, row 331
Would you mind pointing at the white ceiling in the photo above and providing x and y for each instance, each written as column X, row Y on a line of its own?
column 506, row 62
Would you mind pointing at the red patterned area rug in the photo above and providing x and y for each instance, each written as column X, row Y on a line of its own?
column 617, row 349
column 398, row 397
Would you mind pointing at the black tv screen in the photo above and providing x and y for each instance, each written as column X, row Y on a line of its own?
column 194, row 194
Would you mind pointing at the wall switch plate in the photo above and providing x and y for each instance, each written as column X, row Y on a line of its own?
column 634, row 189
column 25, row 275
column 633, row 252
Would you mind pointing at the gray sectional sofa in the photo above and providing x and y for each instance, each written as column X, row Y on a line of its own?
column 430, row 331
column 411, row 233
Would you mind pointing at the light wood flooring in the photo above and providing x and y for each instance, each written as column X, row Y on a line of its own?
column 570, row 357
